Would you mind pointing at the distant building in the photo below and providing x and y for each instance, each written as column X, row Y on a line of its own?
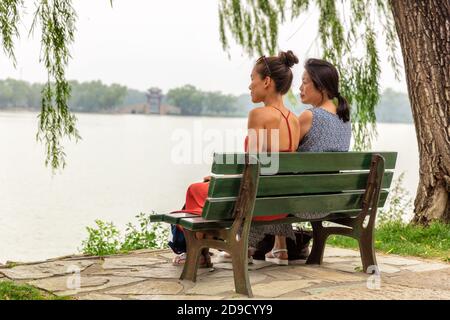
column 153, row 106
column 154, row 97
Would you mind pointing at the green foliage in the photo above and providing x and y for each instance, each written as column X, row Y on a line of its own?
column 192, row 101
column 9, row 20
column 106, row 239
column 401, row 238
column 146, row 236
column 188, row 98
column 103, row 240
column 57, row 20
column 93, row 96
column 343, row 26
column 13, row 291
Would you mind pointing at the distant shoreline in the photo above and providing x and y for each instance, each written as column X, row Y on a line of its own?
column 26, row 110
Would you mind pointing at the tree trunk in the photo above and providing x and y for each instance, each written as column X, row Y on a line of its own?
column 424, row 31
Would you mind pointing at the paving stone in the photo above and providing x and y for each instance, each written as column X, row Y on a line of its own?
column 386, row 292
column 294, row 295
column 256, row 265
column 285, row 273
column 340, row 277
column 340, row 252
column 341, row 259
column 356, row 267
column 177, row 297
column 45, row 270
column 217, row 286
column 98, row 296
column 428, row 279
column 323, row 289
column 398, row 261
column 66, row 283
column 88, row 284
column 164, row 271
column 217, row 273
column 149, row 287
column 427, row 267
column 274, row 289
column 129, row 262
column 327, row 274
column 167, row 255
column 346, row 267
column 385, row 268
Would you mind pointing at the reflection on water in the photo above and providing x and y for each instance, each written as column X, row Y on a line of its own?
column 124, row 165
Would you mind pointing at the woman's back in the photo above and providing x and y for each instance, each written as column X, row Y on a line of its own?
column 272, row 118
column 328, row 133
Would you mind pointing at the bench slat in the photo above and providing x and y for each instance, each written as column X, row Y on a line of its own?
column 156, row 218
column 222, row 208
column 296, row 184
column 295, row 162
column 173, row 218
column 199, row 223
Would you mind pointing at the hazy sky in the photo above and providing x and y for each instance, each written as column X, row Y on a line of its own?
column 142, row 43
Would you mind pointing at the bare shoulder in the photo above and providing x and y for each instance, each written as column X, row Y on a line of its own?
column 305, row 117
column 257, row 111
column 262, row 114
column 256, row 118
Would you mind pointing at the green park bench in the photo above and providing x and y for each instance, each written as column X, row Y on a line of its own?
column 349, row 186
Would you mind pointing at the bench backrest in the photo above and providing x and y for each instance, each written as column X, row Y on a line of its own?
column 306, row 182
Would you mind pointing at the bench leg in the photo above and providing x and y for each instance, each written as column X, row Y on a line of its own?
column 240, row 271
column 367, row 250
column 194, row 250
column 319, row 241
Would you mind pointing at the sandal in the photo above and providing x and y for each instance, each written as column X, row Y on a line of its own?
column 273, row 258
column 180, row 260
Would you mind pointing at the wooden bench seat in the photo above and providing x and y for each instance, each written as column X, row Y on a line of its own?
column 345, row 188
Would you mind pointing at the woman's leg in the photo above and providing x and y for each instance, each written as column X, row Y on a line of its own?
column 196, row 195
column 279, row 250
column 281, row 232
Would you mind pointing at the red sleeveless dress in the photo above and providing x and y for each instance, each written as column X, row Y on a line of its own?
column 198, row 192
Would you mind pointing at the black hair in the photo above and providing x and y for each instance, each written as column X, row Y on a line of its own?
column 325, row 78
column 278, row 69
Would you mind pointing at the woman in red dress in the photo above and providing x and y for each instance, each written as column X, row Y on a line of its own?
column 271, row 79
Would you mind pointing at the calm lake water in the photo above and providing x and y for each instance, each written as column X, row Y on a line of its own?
column 124, row 165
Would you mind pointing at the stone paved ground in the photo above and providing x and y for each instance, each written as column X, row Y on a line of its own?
column 147, row 274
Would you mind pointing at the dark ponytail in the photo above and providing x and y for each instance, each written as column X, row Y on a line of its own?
column 343, row 109
column 325, row 78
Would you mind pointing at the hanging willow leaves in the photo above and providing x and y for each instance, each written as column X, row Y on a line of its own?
column 9, row 19
column 343, row 26
column 56, row 19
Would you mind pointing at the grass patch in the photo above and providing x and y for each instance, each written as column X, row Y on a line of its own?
column 13, row 291
column 405, row 239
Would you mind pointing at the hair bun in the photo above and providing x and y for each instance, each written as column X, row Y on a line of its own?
column 288, row 58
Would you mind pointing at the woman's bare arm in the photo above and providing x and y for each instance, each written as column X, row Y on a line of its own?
column 305, row 120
